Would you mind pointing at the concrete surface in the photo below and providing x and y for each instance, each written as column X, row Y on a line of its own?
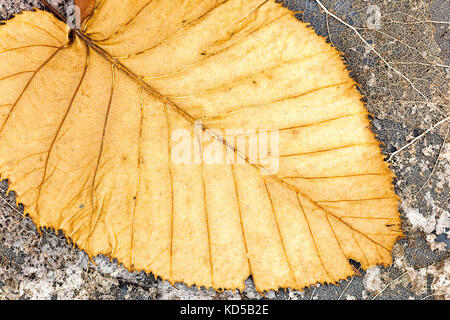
column 407, row 37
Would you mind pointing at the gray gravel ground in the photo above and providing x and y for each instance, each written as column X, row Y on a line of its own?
column 412, row 37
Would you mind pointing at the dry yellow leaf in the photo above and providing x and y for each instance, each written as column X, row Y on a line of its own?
column 86, row 133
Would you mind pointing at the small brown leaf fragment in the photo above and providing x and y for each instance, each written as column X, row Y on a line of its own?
column 86, row 7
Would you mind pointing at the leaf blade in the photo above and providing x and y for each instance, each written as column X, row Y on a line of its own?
column 180, row 245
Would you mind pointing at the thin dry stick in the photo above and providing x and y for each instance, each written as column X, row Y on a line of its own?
column 430, row 295
column 430, row 21
column 371, row 48
column 312, row 294
column 11, row 206
column 417, row 138
column 401, row 276
column 348, row 285
column 389, row 284
column 437, row 162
